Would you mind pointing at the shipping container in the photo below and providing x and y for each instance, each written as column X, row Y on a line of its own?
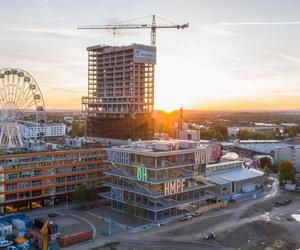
column 28, row 222
column 71, row 239
column 18, row 224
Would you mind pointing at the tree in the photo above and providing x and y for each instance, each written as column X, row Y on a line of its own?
column 84, row 194
column 92, row 194
column 129, row 211
column 78, row 129
column 265, row 161
column 286, row 172
column 79, row 195
column 219, row 136
column 267, row 170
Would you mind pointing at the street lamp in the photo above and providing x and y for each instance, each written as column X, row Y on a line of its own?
column 53, row 198
column 67, row 205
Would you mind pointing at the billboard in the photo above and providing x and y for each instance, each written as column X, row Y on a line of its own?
column 146, row 55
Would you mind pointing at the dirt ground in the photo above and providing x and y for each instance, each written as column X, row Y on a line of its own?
column 253, row 224
column 255, row 233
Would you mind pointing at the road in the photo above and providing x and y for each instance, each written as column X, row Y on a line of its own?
column 175, row 235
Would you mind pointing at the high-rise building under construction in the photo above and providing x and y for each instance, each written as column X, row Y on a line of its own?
column 120, row 99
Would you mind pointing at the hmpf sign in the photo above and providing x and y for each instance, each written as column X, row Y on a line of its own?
column 174, row 187
column 118, row 157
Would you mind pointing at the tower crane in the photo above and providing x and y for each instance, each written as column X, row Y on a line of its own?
column 153, row 26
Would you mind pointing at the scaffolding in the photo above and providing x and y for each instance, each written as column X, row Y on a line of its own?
column 120, row 101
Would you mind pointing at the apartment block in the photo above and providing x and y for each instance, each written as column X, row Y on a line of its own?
column 29, row 179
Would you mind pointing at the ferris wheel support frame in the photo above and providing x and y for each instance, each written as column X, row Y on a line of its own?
column 10, row 135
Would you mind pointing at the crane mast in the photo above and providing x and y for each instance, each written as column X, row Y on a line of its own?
column 151, row 26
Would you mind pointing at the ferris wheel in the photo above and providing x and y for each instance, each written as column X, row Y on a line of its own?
column 20, row 96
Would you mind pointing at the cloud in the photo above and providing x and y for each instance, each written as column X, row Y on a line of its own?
column 284, row 56
column 258, row 23
column 256, row 65
column 57, row 32
column 215, row 31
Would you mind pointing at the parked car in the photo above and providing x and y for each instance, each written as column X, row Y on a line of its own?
column 105, row 233
column 186, row 216
column 5, row 243
column 52, row 215
column 283, row 202
column 197, row 213
column 12, row 248
column 210, row 236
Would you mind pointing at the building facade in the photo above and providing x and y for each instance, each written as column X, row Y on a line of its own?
column 33, row 179
column 288, row 152
column 32, row 130
column 120, row 99
column 158, row 180
column 232, row 181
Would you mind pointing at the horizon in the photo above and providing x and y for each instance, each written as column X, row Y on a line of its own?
column 233, row 59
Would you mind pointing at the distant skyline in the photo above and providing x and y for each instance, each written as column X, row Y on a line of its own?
column 236, row 54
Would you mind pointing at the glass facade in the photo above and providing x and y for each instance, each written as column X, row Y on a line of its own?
column 158, row 181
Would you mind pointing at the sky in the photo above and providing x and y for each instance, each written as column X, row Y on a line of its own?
column 236, row 54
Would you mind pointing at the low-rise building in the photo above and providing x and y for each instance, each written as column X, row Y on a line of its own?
column 34, row 130
column 233, row 131
column 233, row 181
column 250, row 148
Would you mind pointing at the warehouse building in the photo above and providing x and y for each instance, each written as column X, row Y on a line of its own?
column 233, row 181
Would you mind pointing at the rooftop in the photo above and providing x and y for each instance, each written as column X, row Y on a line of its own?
column 108, row 48
column 232, row 175
column 264, row 148
column 158, row 146
column 14, row 151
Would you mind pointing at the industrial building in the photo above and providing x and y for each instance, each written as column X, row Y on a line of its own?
column 34, row 179
column 233, row 181
column 158, row 180
column 120, row 99
column 250, row 148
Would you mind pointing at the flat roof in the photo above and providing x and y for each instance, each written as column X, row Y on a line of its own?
column 236, row 174
column 157, row 147
column 120, row 48
column 22, row 151
column 218, row 180
column 265, row 148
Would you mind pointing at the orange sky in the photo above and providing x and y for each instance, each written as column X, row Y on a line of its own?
column 246, row 57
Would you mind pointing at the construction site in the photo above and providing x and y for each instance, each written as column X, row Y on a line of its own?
column 120, row 101
column 120, row 92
